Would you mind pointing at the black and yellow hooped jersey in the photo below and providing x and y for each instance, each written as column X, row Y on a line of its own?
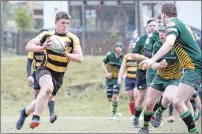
column 131, row 66
column 55, row 61
column 37, row 58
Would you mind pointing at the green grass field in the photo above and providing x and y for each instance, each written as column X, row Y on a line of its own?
column 81, row 103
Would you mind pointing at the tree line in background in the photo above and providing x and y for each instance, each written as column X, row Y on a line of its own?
column 21, row 16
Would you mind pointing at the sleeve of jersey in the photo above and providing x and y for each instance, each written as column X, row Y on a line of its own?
column 125, row 58
column 137, row 47
column 172, row 30
column 29, row 66
column 43, row 36
column 76, row 43
column 155, row 50
column 106, row 59
column 30, row 55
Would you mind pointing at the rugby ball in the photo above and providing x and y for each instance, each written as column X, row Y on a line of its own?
column 56, row 44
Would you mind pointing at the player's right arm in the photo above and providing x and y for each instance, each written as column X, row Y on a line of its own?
column 104, row 66
column 29, row 67
column 160, row 64
column 122, row 70
column 34, row 44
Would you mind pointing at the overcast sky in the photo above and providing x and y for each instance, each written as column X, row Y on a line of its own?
column 190, row 12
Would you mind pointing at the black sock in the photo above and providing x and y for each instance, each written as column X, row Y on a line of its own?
column 51, row 106
column 36, row 117
column 171, row 109
column 161, row 108
column 155, row 108
column 147, row 117
column 188, row 119
column 138, row 111
column 24, row 113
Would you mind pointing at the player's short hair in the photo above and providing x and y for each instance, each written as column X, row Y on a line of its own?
column 158, row 17
column 150, row 20
column 169, row 9
column 62, row 15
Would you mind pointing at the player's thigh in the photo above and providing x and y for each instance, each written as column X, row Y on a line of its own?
column 152, row 96
column 171, row 90
column 131, row 93
column 191, row 78
column 184, row 92
column 150, row 74
column 156, row 89
column 129, row 86
column 44, row 78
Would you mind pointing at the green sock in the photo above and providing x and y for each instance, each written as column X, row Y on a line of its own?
column 188, row 120
column 162, row 108
column 138, row 111
column 114, row 107
column 147, row 117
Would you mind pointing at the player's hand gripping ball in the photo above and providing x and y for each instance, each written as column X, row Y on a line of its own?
column 56, row 44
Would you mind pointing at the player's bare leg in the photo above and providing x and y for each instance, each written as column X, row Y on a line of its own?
column 168, row 97
column 152, row 96
column 183, row 94
column 114, row 106
column 46, row 85
column 139, row 103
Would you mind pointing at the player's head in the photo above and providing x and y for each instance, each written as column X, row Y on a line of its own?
column 158, row 19
column 131, row 45
column 62, row 20
column 162, row 33
column 152, row 25
column 168, row 10
column 118, row 47
column 43, row 30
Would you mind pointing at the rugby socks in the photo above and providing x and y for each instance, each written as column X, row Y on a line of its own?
column 36, row 117
column 114, row 107
column 188, row 119
column 132, row 107
column 51, row 106
column 147, row 117
column 155, row 108
column 138, row 111
column 161, row 108
column 171, row 109
column 24, row 113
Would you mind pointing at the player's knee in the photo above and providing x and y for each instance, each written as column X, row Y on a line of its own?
column 109, row 99
column 48, row 89
column 167, row 98
column 141, row 98
column 114, row 97
column 149, row 104
column 177, row 104
column 131, row 98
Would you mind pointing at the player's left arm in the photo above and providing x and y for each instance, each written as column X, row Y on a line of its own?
column 76, row 55
column 166, row 47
